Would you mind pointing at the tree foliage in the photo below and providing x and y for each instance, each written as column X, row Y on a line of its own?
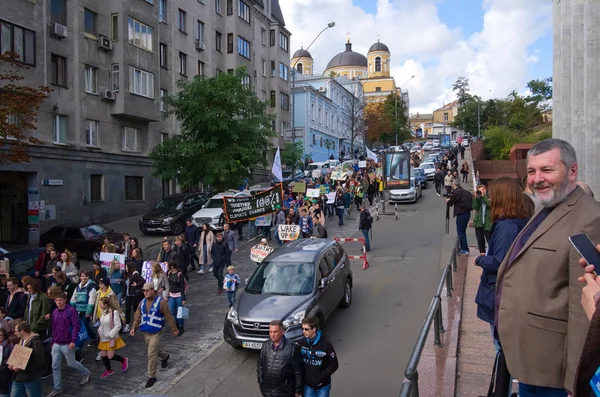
column 541, row 93
column 386, row 119
column 291, row 155
column 461, row 88
column 225, row 132
column 18, row 110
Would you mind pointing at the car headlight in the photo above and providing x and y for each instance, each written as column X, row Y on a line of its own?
column 168, row 220
column 294, row 319
column 232, row 316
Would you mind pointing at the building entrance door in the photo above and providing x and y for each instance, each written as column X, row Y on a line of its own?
column 13, row 208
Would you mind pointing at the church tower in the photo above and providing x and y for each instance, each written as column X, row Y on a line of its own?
column 303, row 62
column 379, row 60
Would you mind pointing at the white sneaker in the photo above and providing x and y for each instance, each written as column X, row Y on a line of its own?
column 210, row 270
column 200, row 272
column 126, row 329
column 99, row 357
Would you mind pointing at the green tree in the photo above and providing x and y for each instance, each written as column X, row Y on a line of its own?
column 291, row 155
column 397, row 112
column 499, row 140
column 467, row 118
column 225, row 132
column 541, row 93
column 461, row 88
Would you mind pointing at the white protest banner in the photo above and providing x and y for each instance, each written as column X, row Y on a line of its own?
column 264, row 220
column 260, row 252
column 276, row 170
column 362, row 164
column 288, row 232
column 107, row 257
column 313, row 193
column 147, row 270
column 330, row 198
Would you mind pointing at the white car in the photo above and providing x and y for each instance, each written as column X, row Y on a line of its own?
column 316, row 170
column 436, row 143
column 395, row 149
column 411, row 194
column 429, row 169
column 428, row 147
column 211, row 211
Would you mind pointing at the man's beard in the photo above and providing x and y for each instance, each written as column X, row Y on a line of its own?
column 556, row 195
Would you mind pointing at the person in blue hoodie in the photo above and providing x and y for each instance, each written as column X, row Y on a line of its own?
column 510, row 214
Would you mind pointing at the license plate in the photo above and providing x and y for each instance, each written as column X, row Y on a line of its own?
column 252, row 345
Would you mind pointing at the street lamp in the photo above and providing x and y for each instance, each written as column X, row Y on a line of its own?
column 329, row 25
column 479, row 117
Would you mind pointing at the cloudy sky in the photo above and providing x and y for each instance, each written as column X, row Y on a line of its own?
column 499, row 45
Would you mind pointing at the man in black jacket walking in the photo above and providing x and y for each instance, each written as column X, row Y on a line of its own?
column 192, row 236
column 221, row 256
column 320, row 360
column 463, row 205
column 279, row 368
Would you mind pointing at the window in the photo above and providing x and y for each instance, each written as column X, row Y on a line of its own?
column 446, row 116
column 320, row 115
column 163, row 136
column 141, row 82
column 263, row 95
column 273, row 99
column 283, row 71
column 163, row 103
column 263, row 33
column 91, row 79
column 229, row 43
column 326, row 118
column 181, row 20
column 114, row 77
column 58, row 12
column 378, row 64
column 218, row 6
column 263, row 67
column 59, row 129
column 91, row 133
column 243, row 47
column 377, row 89
column 89, row 21
column 314, row 139
column 199, row 33
column 229, row 7
column 162, row 54
column 182, row 64
column 129, row 140
column 134, row 188
column 140, row 35
column 162, row 10
column 19, row 40
column 285, row 101
column 246, row 81
column 299, row 68
column 312, row 111
column 272, row 68
column 218, row 41
column 272, row 37
column 59, row 70
column 284, row 42
column 201, row 68
column 244, row 11
column 96, row 188
column 114, row 27
column 321, row 141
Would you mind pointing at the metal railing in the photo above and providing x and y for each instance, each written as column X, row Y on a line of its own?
column 410, row 387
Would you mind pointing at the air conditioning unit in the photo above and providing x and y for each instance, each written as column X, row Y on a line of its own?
column 104, row 43
column 200, row 45
column 108, row 95
column 59, row 30
column 322, row 89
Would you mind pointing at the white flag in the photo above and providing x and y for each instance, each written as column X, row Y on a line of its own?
column 277, row 166
column 371, row 155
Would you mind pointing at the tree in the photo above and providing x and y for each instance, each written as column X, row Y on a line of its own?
column 18, row 110
column 541, row 93
column 461, row 88
column 225, row 132
column 387, row 119
column 328, row 145
column 353, row 116
column 291, row 155
column 377, row 124
column 396, row 107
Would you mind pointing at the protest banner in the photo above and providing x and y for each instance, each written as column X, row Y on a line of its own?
column 147, row 270
column 107, row 257
column 362, row 164
column 338, row 175
column 288, row 232
column 20, row 356
column 371, row 176
column 312, row 193
column 265, row 220
column 242, row 208
column 323, row 189
column 330, row 198
column 259, row 252
column 299, row 187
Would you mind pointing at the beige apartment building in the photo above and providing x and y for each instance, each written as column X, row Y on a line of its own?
column 108, row 64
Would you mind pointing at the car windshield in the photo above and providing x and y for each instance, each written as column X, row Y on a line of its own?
column 418, row 172
column 169, row 203
column 215, row 203
column 313, row 167
column 93, row 231
column 282, row 278
column 426, row 166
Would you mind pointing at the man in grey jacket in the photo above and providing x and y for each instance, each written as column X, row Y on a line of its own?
column 231, row 239
column 279, row 220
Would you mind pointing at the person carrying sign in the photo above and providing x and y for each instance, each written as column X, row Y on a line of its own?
column 27, row 381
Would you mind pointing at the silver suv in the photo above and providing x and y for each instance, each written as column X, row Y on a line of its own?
column 308, row 277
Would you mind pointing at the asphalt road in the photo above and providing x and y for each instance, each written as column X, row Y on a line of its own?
column 375, row 336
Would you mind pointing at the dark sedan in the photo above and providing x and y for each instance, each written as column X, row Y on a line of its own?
column 170, row 214
column 22, row 261
column 85, row 240
column 287, row 177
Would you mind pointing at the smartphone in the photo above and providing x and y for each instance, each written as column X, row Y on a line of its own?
column 586, row 249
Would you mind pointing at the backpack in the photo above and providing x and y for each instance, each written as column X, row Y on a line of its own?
column 467, row 200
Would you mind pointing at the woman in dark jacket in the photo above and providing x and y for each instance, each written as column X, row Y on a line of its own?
column 510, row 214
column 134, row 293
column 177, row 296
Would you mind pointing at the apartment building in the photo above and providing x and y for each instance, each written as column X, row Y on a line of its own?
column 108, row 64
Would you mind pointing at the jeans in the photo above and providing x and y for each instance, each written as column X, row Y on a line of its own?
column 526, row 390
column 218, row 273
column 277, row 236
column 175, row 303
column 438, row 188
column 58, row 351
column 204, row 257
column 231, row 297
column 365, row 233
column 482, row 237
column 31, row 389
column 340, row 214
column 462, row 221
column 322, row 392
column 496, row 342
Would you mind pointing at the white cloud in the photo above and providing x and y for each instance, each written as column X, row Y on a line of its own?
column 497, row 58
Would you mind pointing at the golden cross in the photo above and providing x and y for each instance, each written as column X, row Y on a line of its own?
column 348, row 37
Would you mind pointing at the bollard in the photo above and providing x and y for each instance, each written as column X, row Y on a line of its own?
column 441, row 318
column 396, row 210
column 449, row 283
column 437, row 340
column 414, row 385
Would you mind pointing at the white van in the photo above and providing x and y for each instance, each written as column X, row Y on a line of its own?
column 316, row 170
column 211, row 211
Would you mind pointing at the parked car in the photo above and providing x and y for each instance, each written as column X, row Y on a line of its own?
column 85, row 240
column 429, row 169
column 211, row 210
column 428, row 147
column 318, row 169
column 21, row 261
column 170, row 214
column 410, row 194
column 419, row 175
column 287, row 177
column 304, row 278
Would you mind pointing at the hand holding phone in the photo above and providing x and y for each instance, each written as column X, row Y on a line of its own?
column 590, row 254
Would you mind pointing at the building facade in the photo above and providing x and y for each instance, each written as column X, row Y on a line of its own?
column 108, row 65
column 446, row 114
column 421, row 124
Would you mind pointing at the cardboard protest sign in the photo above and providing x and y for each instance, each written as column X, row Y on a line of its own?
column 362, row 164
column 265, row 220
column 313, row 193
column 299, row 187
column 4, row 266
column 20, row 356
column 147, row 270
column 338, row 175
column 243, row 208
column 259, row 252
column 330, row 198
column 288, row 232
column 107, row 257
column 371, row 176
column 323, row 189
